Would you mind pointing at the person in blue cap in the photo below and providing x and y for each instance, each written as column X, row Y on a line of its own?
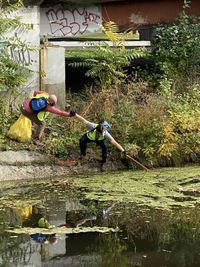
column 97, row 133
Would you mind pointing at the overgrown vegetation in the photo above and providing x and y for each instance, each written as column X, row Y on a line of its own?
column 13, row 73
column 105, row 63
column 154, row 113
column 155, row 116
column 177, row 52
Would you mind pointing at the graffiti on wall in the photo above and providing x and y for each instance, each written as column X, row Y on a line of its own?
column 22, row 56
column 71, row 22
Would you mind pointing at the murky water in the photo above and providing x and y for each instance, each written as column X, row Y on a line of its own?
column 142, row 236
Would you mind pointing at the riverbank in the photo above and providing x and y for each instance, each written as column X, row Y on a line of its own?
column 24, row 164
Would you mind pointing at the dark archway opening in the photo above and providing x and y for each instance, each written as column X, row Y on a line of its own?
column 76, row 79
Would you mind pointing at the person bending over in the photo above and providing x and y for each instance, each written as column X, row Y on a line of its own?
column 38, row 108
column 97, row 133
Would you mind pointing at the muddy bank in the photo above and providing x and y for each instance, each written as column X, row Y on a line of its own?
column 18, row 165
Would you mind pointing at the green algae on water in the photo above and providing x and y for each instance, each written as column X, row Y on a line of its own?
column 156, row 188
column 61, row 230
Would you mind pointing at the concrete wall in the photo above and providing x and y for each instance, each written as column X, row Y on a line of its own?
column 80, row 20
column 70, row 21
column 30, row 16
column 51, row 63
column 53, row 67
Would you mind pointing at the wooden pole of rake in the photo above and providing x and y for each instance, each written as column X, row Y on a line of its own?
column 137, row 162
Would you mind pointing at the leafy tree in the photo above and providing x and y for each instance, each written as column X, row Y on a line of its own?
column 106, row 63
column 12, row 72
column 177, row 50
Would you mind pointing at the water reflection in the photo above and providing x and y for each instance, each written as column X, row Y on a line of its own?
column 147, row 237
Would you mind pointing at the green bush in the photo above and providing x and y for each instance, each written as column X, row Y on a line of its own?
column 181, row 128
column 177, row 51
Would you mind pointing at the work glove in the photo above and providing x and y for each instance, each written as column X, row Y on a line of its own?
column 72, row 113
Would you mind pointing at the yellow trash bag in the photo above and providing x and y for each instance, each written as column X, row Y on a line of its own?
column 21, row 130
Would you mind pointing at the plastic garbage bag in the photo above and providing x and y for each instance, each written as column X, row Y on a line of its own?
column 21, row 130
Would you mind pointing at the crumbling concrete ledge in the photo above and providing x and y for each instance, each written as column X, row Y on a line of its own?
column 24, row 164
column 17, row 165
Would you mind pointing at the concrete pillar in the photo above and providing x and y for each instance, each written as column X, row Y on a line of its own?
column 53, row 72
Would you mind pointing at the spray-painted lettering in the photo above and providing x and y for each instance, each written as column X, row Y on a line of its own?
column 71, row 22
column 22, row 56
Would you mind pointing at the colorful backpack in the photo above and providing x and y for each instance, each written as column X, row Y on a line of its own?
column 38, row 104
